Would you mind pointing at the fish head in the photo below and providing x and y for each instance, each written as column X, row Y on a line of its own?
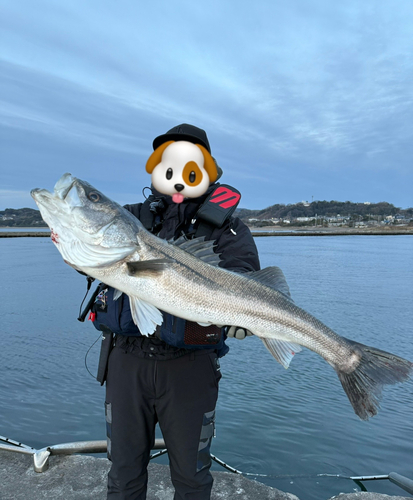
column 89, row 229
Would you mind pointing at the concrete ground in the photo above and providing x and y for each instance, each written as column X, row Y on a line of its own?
column 80, row 477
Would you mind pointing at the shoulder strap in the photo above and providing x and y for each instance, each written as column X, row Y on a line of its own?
column 220, row 205
column 213, row 213
column 146, row 216
column 151, row 213
column 216, row 210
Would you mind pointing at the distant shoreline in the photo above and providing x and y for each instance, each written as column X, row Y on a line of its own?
column 24, row 234
column 271, row 231
column 331, row 231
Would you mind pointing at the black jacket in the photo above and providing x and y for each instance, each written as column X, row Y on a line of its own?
column 233, row 240
column 170, row 220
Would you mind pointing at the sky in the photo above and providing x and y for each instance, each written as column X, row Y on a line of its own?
column 301, row 100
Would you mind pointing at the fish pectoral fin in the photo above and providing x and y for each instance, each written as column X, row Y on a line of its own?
column 153, row 266
column 145, row 316
column 272, row 277
column 282, row 351
column 80, row 254
column 116, row 294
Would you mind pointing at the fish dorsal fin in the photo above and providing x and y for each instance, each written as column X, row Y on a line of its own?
column 145, row 315
column 272, row 277
column 282, row 351
column 198, row 247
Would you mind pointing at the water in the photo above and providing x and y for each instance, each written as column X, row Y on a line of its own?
column 271, row 421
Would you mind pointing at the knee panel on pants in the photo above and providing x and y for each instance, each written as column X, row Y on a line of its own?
column 108, row 415
column 207, row 433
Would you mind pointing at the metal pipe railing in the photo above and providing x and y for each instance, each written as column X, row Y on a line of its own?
column 41, row 459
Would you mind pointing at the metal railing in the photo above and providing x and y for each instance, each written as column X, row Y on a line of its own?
column 41, row 460
column 41, row 457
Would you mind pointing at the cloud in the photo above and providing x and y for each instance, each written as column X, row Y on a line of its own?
column 320, row 90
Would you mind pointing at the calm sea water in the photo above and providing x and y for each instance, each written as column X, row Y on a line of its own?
column 270, row 420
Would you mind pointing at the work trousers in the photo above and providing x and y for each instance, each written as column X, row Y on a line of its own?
column 181, row 395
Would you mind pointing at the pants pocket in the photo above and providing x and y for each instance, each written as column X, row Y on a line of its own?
column 216, row 368
column 207, row 433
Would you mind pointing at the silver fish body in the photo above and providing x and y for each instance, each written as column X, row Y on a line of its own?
column 100, row 238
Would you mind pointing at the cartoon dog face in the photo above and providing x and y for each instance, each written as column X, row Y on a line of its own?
column 181, row 169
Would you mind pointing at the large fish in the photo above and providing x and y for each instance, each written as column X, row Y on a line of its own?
column 100, row 238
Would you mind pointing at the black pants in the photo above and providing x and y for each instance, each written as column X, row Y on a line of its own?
column 181, row 395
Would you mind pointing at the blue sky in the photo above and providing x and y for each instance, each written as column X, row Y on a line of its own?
column 301, row 100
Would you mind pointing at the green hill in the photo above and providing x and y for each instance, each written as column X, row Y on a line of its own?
column 325, row 209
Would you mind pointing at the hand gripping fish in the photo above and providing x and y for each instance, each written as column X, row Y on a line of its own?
column 100, row 238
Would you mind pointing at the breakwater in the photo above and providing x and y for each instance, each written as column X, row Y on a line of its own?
column 271, row 232
column 23, row 234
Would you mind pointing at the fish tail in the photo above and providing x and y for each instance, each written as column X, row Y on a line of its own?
column 376, row 368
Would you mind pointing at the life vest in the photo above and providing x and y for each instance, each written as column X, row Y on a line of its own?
column 174, row 331
column 217, row 208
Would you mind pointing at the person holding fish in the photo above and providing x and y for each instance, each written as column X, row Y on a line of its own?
column 171, row 377
column 172, row 269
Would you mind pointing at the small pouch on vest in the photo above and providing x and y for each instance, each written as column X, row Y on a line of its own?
column 219, row 206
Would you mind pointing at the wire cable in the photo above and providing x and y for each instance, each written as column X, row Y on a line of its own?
column 90, row 280
column 143, row 192
column 86, row 355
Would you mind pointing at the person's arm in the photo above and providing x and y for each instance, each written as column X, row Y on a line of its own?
column 134, row 209
column 236, row 247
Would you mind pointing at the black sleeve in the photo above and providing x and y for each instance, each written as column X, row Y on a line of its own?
column 134, row 209
column 236, row 247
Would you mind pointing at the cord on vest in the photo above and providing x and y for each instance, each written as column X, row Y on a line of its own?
column 86, row 355
column 143, row 192
column 89, row 305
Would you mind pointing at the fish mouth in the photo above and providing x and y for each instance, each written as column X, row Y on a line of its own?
column 63, row 190
column 64, row 185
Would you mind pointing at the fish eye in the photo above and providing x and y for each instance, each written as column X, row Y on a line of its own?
column 169, row 173
column 93, row 196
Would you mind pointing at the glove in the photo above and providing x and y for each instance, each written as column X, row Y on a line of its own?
column 238, row 332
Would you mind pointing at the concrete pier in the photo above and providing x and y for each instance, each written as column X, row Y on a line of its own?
column 79, row 477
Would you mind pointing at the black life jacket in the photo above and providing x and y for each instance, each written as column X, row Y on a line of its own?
column 218, row 206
